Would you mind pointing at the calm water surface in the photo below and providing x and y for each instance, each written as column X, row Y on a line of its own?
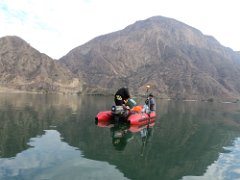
column 47, row 137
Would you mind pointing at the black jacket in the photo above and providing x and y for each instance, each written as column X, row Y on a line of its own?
column 121, row 95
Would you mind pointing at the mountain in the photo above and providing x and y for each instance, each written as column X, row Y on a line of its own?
column 175, row 59
column 26, row 69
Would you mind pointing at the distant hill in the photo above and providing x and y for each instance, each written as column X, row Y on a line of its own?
column 177, row 60
column 26, row 69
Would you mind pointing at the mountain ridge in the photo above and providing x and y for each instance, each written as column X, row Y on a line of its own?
column 24, row 68
column 175, row 59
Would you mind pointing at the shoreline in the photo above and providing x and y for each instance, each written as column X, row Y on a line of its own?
column 4, row 90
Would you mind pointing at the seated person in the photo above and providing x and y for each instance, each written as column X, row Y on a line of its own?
column 121, row 96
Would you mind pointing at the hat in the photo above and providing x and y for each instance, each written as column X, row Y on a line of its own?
column 150, row 95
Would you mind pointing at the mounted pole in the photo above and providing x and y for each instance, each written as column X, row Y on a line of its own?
column 148, row 87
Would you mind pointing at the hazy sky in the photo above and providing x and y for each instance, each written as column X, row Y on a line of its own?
column 55, row 27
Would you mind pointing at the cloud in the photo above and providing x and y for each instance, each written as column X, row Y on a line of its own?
column 55, row 27
column 44, row 160
column 225, row 167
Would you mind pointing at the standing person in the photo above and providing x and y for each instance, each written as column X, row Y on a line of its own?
column 150, row 104
column 121, row 96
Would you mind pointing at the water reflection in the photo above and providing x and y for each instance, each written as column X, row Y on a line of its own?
column 23, row 116
column 54, row 137
column 225, row 167
column 120, row 136
column 50, row 158
column 123, row 133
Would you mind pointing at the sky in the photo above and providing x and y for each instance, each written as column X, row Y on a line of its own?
column 55, row 27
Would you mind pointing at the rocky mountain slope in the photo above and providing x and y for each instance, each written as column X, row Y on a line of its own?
column 177, row 60
column 24, row 68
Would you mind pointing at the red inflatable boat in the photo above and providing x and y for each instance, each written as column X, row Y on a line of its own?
column 132, row 117
column 132, row 128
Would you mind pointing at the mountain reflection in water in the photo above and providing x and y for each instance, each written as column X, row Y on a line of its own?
column 50, row 158
column 227, row 166
column 55, row 137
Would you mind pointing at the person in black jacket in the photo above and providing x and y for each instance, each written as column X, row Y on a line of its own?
column 121, row 96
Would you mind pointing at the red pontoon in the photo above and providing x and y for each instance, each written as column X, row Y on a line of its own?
column 133, row 117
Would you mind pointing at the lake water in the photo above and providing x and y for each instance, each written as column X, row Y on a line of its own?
column 48, row 137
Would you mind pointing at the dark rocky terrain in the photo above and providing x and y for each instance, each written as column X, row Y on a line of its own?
column 23, row 68
column 175, row 59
